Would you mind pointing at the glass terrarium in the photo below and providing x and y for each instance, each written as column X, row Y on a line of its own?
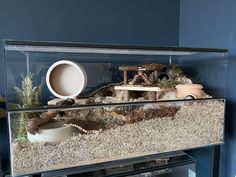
column 72, row 105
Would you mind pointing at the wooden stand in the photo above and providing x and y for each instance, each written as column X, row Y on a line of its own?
column 153, row 92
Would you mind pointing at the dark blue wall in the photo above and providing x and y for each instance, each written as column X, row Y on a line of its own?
column 139, row 22
column 105, row 21
column 208, row 23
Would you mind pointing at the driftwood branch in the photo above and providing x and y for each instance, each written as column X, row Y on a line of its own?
column 65, row 103
column 33, row 124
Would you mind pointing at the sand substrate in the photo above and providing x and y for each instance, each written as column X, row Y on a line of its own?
column 194, row 125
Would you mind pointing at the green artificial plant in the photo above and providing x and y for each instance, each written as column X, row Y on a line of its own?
column 28, row 97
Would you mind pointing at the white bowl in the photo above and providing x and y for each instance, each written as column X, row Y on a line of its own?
column 53, row 132
column 66, row 79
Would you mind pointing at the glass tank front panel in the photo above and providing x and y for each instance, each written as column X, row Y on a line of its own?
column 43, row 140
column 73, row 104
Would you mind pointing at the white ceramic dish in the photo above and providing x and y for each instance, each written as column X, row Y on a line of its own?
column 53, row 132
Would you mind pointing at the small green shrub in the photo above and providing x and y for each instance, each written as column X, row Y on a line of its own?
column 28, row 97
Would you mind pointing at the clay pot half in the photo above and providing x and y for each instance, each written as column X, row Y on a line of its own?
column 184, row 91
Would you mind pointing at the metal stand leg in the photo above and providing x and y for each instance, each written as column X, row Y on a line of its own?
column 215, row 161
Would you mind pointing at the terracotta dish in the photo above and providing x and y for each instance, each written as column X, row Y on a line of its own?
column 185, row 91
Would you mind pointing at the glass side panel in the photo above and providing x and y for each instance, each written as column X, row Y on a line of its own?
column 127, row 76
column 44, row 140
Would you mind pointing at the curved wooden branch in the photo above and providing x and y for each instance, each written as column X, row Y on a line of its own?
column 33, row 124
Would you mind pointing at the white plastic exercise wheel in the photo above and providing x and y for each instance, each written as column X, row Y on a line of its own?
column 66, row 79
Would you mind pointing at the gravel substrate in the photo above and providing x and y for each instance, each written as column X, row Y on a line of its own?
column 194, row 125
